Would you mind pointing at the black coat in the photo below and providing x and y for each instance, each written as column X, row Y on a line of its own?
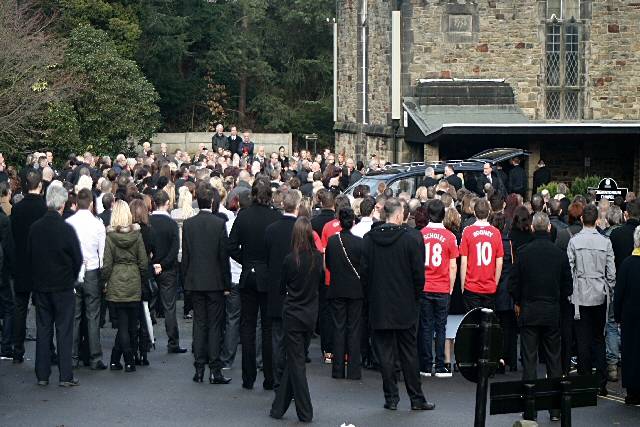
column 625, row 306
column 218, row 141
column 277, row 240
column 429, row 182
column 205, row 256
column 318, row 222
column 53, row 254
column 392, row 288
column 234, row 146
column 455, row 181
column 541, row 176
column 105, row 216
column 497, row 184
column 307, row 189
column 540, row 279
column 23, row 215
column 167, row 241
column 299, row 285
column 517, row 181
column 504, row 302
column 622, row 240
column 246, row 243
column 8, row 248
column 344, row 281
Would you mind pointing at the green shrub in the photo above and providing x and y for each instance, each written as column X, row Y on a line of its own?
column 579, row 185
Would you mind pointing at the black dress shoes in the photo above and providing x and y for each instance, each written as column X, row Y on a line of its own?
column 144, row 359
column 392, row 406
column 178, row 350
column 130, row 368
column 198, row 377
column 99, row 366
column 423, row 406
column 117, row 366
column 218, row 378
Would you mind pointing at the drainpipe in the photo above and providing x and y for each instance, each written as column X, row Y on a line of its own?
column 396, row 70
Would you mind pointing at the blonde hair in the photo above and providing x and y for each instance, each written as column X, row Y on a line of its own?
column 184, row 202
column 121, row 215
column 217, row 183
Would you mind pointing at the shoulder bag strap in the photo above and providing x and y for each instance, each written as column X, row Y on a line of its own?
column 347, row 257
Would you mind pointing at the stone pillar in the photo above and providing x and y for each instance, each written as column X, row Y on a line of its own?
column 432, row 152
column 532, row 162
column 635, row 187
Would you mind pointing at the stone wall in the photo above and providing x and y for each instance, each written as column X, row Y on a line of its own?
column 613, row 63
column 190, row 141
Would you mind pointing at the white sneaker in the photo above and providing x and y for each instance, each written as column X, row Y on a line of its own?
column 443, row 373
column 425, row 374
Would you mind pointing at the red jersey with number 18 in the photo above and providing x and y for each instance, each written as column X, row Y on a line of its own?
column 440, row 248
column 482, row 245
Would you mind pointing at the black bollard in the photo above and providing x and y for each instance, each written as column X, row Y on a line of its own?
column 565, row 404
column 483, row 368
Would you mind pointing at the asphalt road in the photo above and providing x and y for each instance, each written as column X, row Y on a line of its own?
column 164, row 395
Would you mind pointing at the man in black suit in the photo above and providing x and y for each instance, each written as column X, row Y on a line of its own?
column 53, row 261
column 7, row 309
column 541, row 176
column 517, row 178
column 429, row 178
column 107, row 203
column 327, row 212
column 393, row 291
column 164, row 262
column 452, row 178
column 207, row 275
column 277, row 238
column 23, row 215
column 246, row 246
column 234, row 141
column 490, row 177
column 540, row 279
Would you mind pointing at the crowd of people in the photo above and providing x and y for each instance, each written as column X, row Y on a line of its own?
column 269, row 245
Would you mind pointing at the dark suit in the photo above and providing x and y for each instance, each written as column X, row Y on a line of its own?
column 23, row 215
column 455, row 181
column 300, row 282
column 234, row 145
column 218, row 141
column 7, row 309
column 517, row 181
column 324, row 319
column 429, row 182
column 207, row 275
column 167, row 242
column 246, row 246
column 346, row 298
column 53, row 258
column 277, row 239
column 540, row 279
column 541, row 176
column 495, row 182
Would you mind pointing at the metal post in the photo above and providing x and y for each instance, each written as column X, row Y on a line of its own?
column 483, row 369
column 565, row 404
column 529, row 402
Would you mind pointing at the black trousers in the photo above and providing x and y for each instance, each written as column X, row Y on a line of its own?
column 54, row 308
column 208, row 323
column 251, row 302
column 401, row 343
column 566, row 335
column 127, row 332
column 545, row 339
column 509, row 325
column 347, row 336
column 7, row 312
column 590, row 342
column 168, row 288
column 325, row 323
column 474, row 300
column 294, row 379
column 20, row 322
column 279, row 350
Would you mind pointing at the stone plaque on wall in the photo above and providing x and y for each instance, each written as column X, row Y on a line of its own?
column 460, row 22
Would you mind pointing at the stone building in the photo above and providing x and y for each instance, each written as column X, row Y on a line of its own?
column 560, row 78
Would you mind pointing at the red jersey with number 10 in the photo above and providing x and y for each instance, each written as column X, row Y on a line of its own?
column 440, row 248
column 482, row 245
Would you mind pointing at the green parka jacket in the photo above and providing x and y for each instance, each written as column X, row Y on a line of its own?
column 125, row 264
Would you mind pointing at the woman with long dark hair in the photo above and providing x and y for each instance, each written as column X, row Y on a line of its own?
column 302, row 275
column 520, row 233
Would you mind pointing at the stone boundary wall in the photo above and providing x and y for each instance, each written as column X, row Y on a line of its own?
column 190, row 141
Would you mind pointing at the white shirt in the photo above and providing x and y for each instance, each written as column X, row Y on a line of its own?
column 99, row 207
column 363, row 227
column 236, row 268
column 91, row 233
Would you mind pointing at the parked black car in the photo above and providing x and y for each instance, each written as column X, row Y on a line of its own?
column 407, row 177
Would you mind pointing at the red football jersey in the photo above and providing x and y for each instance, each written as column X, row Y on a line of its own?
column 331, row 228
column 440, row 248
column 482, row 245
